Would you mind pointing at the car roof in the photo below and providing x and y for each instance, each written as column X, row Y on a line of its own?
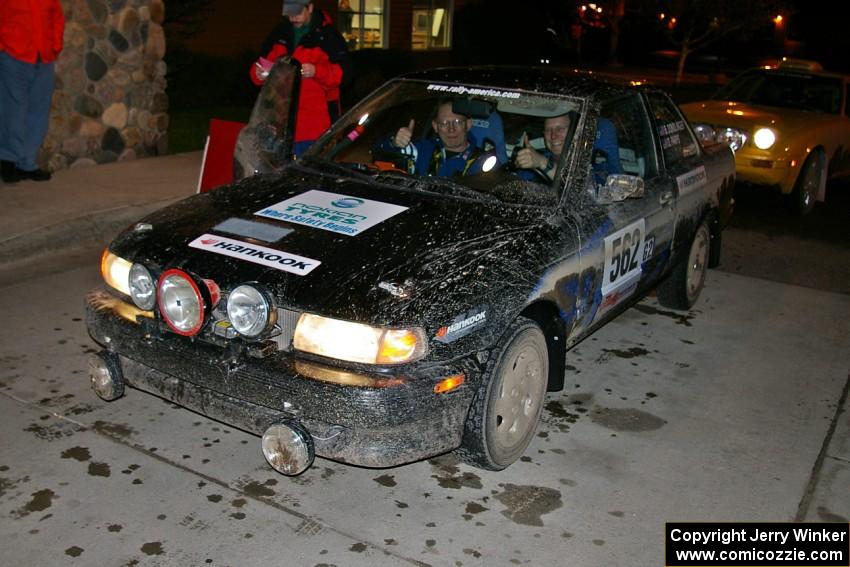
column 772, row 70
column 571, row 82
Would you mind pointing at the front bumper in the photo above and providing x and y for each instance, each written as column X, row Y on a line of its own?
column 764, row 169
column 368, row 426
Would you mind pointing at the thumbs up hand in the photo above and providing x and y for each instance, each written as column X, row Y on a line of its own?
column 528, row 157
column 404, row 135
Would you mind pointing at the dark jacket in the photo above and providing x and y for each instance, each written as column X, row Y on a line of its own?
column 428, row 157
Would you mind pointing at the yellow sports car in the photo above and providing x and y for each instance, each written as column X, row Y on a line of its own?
column 788, row 124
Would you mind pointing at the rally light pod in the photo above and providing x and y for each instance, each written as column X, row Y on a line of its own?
column 105, row 375
column 181, row 303
column 288, row 448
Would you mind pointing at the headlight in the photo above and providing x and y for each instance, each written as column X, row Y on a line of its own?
column 723, row 134
column 732, row 136
column 354, row 342
column 180, row 302
column 764, row 138
column 142, row 287
column 115, row 271
column 704, row 132
column 250, row 311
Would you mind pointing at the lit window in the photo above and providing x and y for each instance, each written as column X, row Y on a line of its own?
column 432, row 24
column 361, row 23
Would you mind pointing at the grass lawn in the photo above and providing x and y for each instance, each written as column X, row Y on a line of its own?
column 187, row 128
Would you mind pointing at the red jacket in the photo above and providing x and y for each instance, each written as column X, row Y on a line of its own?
column 31, row 29
column 325, row 48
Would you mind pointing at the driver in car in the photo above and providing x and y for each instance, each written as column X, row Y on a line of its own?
column 529, row 160
column 452, row 153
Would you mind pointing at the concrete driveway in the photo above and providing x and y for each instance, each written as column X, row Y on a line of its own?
column 725, row 413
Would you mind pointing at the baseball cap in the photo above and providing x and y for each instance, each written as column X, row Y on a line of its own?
column 293, row 8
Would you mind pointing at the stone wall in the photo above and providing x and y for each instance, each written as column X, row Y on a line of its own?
column 110, row 102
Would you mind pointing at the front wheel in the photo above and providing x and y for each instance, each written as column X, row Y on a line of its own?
column 682, row 288
column 504, row 413
column 808, row 184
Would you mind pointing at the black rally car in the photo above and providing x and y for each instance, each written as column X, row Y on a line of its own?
column 339, row 305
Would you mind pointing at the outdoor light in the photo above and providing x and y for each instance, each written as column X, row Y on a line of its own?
column 250, row 311
column 764, row 138
column 142, row 287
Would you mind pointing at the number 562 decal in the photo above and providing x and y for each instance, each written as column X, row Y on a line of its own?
column 623, row 255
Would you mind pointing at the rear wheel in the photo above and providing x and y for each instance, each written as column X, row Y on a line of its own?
column 682, row 288
column 507, row 405
column 808, row 183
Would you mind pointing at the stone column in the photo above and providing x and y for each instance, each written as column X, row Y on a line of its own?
column 110, row 101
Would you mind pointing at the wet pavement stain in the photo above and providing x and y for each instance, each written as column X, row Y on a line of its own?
column 681, row 319
column 74, row 551
column 41, row 500
column 449, row 475
column 81, row 454
column 358, row 548
column 99, row 469
column 558, row 416
column 214, row 497
column 238, row 515
column 387, row 480
column 630, row 353
column 115, row 528
column 118, row 430
column 527, row 504
column 238, row 502
column 255, row 489
column 473, row 552
column 153, row 548
column 626, row 419
column 51, row 432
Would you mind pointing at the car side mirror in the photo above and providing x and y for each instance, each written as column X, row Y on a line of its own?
column 619, row 187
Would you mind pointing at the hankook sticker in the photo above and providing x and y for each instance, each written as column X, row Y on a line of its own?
column 333, row 212
column 692, row 180
column 462, row 325
column 255, row 253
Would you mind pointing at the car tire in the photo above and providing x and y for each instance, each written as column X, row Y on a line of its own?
column 506, row 408
column 808, row 183
column 682, row 288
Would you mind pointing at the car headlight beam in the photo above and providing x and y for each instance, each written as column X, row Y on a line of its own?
column 355, row 342
column 764, row 138
column 250, row 311
column 115, row 271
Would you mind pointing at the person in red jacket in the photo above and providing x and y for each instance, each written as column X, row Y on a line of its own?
column 30, row 41
column 307, row 34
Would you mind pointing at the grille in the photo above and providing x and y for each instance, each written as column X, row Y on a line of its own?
column 286, row 320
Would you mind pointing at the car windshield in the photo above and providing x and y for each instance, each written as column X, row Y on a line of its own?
column 453, row 139
column 785, row 90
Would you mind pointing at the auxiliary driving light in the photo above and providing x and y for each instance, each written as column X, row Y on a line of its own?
column 288, row 448
column 105, row 375
column 180, row 302
column 249, row 311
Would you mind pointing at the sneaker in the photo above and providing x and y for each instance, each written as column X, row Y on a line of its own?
column 8, row 172
column 34, row 175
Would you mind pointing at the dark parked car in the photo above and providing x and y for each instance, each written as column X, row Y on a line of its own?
column 340, row 305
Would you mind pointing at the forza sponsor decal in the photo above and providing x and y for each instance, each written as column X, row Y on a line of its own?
column 624, row 252
column 254, row 253
column 332, row 212
column 692, row 180
column 615, row 298
column 462, row 325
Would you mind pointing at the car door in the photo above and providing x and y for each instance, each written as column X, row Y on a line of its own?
column 681, row 169
column 265, row 144
column 629, row 249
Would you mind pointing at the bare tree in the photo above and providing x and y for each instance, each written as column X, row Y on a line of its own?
column 693, row 24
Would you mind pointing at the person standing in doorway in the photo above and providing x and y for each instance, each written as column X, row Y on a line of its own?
column 307, row 34
column 31, row 37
